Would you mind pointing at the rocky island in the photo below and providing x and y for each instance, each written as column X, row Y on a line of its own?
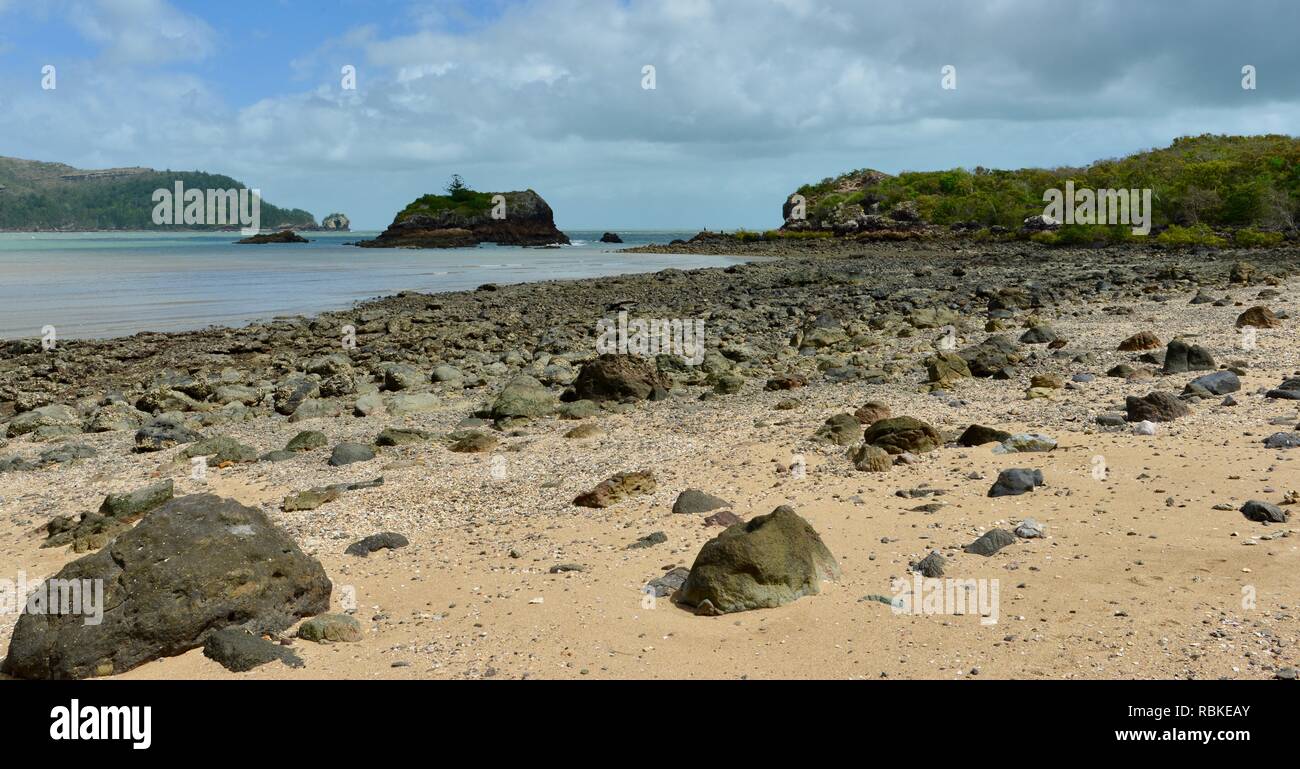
column 465, row 217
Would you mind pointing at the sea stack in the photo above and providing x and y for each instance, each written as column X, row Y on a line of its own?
column 466, row 218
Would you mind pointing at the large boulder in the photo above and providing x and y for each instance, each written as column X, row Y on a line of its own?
column 620, row 378
column 196, row 565
column 899, row 434
column 766, row 562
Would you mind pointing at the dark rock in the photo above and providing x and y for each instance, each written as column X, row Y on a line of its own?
column 1181, row 356
column 903, row 434
column 618, row 378
column 1016, row 481
column 930, row 566
column 618, row 488
column 1156, row 406
column 386, row 540
column 694, row 501
column 1264, row 512
column 978, row 435
column 350, row 453
column 239, row 652
column 992, row 541
column 195, row 565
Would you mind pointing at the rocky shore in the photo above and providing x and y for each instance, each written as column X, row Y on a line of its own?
column 490, row 495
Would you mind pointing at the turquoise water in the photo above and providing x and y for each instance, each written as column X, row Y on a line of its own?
column 95, row 285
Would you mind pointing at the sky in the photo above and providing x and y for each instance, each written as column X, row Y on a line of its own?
column 750, row 99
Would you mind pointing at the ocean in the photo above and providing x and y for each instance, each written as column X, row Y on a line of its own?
column 102, row 284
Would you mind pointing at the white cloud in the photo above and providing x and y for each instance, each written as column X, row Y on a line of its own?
column 753, row 98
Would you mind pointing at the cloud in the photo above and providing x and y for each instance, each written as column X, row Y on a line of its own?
column 752, row 98
column 142, row 31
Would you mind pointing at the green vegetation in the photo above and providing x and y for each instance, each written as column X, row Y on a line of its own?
column 460, row 199
column 1218, row 181
column 35, row 196
column 1195, row 235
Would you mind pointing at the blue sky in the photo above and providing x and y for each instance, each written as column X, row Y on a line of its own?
column 753, row 97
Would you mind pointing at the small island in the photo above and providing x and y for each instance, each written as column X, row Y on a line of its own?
column 283, row 236
column 465, row 217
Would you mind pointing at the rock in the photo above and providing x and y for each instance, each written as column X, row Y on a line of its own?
column 307, row 440
column 1046, row 382
column 406, row 404
column 128, row 507
column 1282, row 440
column 583, row 409
column 668, row 584
column 649, row 540
column 723, row 518
column 991, row 357
column 386, row 540
column 239, row 652
column 334, row 628
column 1258, row 317
column 1024, row 443
column 619, row 378
column 336, row 221
column 57, row 416
column 991, row 542
column 1288, row 390
column 1142, row 340
column 195, row 565
column 1144, row 428
column 373, row 403
column 946, row 368
column 1218, row 383
column 903, row 434
column 872, row 459
column 399, row 436
column 610, row 237
column 310, row 499
column 445, row 374
column 1264, row 512
column 1241, row 272
column 584, row 431
column 164, row 432
column 768, row 561
column 872, row 412
column 1029, row 529
column 524, row 397
column 403, row 376
column 1016, row 481
column 466, row 218
column 474, row 442
column 1181, row 357
column 1039, row 334
column 221, row 449
column 978, row 435
column 786, row 382
column 618, row 488
column 283, row 236
column 1110, row 419
column 930, row 566
column 694, row 501
column 840, row 429
column 350, row 453
column 116, row 416
column 1156, row 406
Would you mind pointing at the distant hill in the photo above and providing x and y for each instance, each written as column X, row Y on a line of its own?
column 36, row 196
column 1204, row 181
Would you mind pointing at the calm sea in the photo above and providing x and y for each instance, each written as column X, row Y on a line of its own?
column 92, row 285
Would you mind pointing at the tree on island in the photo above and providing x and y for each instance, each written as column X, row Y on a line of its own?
column 456, row 184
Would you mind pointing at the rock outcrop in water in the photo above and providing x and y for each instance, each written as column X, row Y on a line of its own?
column 467, row 218
column 336, row 222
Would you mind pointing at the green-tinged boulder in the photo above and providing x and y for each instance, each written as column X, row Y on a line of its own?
column 765, row 562
column 899, row 434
